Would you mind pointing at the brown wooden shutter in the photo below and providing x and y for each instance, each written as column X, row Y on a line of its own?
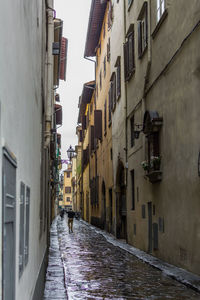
column 126, row 73
column 98, row 124
column 91, row 139
column 81, row 136
column 83, row 122
column 131, row 54
column 119, row 78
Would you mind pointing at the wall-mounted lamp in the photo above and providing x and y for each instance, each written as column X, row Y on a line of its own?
column 138, row 129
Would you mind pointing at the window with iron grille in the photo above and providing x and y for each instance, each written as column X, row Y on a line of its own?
column 132, row 127
column 129, row 54
column 142, row 30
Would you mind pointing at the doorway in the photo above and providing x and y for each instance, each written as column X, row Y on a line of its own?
column 149, row 227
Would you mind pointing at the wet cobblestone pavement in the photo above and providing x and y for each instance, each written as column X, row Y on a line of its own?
column 96, row 269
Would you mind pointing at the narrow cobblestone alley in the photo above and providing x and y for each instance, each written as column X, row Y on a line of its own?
column 97, row 269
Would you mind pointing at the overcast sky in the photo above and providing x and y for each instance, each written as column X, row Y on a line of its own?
column 75, row 16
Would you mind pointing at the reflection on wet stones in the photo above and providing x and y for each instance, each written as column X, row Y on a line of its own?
column 95, row 269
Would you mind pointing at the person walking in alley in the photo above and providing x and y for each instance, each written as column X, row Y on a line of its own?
column 71, row 215
column 62, row 212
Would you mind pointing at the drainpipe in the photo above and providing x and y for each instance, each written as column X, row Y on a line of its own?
column 125, row 86
column 49, row 67
column 146, row 79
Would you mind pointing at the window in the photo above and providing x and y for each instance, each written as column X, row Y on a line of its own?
column 105, row 116
column 68, row 174
column 142, row 30
column 129, row 54
column 160, row 9
column 110, row 15
column 110, row 105
column 68, row 190
column 118, row 77
column 27, row 217
column 104, row 66
column 132, row 125
column 108, row 50
column 100, row 80
column 133, row 189
column 112, row 92
column 68, row 199
column 104, row 30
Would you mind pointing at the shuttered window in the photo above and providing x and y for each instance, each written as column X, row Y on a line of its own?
column 105, row 116
column 91, row 144
column 114, row 93
column 83, row 122
column 110, row 105
column 129, row 54
column 108, row 50
column 98, row 124
column 133, row 189
column 100, row 80
column 104, row 66
column 142, row 30
column 118, row 77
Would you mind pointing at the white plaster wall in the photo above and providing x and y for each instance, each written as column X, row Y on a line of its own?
column 20, row 96
column 0, row 206
column 119, row 114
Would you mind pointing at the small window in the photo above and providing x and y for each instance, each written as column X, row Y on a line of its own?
column 68, row 199
column 110, row 104
column 68, row 174
column 142, row 31
column 104, row 30
column 160, row 9
column 68, row 190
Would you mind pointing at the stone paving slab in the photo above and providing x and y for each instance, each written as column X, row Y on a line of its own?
column 189, row 279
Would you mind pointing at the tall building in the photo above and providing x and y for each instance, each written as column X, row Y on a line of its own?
column 29, row 76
